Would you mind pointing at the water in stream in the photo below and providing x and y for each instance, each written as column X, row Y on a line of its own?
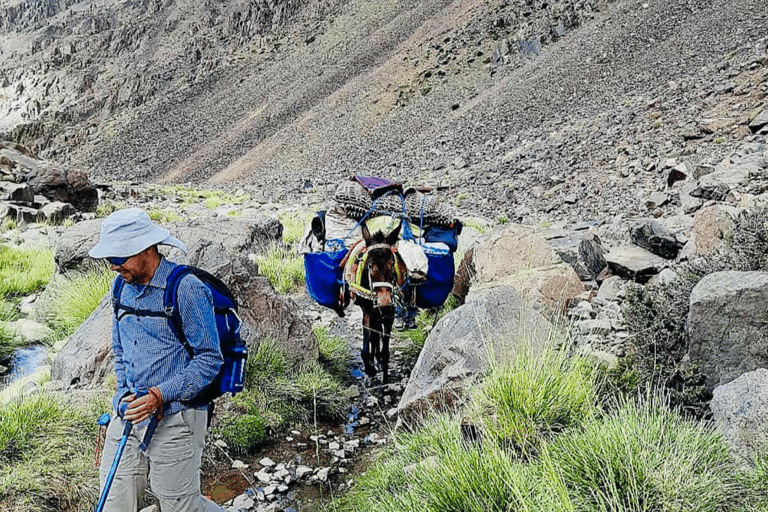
column 25, row 361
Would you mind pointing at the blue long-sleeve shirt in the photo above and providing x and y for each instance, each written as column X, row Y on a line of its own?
column 147, row 353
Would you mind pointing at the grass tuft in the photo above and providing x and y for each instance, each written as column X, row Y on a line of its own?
column 24, row 271
column 283, row 267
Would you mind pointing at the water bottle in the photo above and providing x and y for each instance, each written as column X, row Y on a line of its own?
column 233, row 372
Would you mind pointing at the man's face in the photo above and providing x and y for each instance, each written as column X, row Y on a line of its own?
column 135, row 269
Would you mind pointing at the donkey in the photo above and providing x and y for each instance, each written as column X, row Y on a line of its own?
column 382, row 274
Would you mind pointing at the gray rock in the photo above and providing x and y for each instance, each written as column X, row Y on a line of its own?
column 64, row 185
column 650, row 234
column 73, row 244
column 634, row 263
column 740, row 412
column 759, row 122
column 494, row 319
column 726, row 325
column 57, row 211
column 17, row 192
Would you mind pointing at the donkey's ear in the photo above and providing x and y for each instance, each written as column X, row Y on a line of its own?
column 366, row 233
column 394, row 235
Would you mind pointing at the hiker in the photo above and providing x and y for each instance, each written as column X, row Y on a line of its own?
column 148, row 356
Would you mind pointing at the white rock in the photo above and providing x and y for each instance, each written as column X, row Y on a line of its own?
column 302, row 471
column 238, row 464
column 243, row 502
column 267, row 462
column 322, row 474
column 263, row 476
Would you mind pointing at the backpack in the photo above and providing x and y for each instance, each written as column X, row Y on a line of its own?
column 231, row 376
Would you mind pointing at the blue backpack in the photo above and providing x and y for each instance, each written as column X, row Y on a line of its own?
column 231, row 376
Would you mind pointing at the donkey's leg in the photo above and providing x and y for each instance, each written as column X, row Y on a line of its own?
column 366, row 354
column 386, row 325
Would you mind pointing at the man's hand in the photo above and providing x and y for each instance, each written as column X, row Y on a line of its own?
column 143, row 408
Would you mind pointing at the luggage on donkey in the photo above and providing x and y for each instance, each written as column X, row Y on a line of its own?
column 428, row 240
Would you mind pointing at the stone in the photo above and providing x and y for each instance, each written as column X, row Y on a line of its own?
column 57, row 211
column 64, row 185
column 495, row 319
column 267, row 462
column 712, row 228
column 634, row 263
column 650, row 234
column 740, row 413
column 531, row 265
column 302, row 471
column 759, row 121
column 243, row 502
column 726, row 325
column 16, row 192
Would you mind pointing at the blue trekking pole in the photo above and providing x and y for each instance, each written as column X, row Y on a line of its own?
column 121, row 448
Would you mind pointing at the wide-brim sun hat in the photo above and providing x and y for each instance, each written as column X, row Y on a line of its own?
column 130, row 231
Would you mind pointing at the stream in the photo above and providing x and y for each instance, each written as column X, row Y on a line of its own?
column 25, row 361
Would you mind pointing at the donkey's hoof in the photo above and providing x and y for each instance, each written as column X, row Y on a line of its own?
column 370, row 370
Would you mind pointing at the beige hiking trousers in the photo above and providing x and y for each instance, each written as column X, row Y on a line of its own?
column 172, row 463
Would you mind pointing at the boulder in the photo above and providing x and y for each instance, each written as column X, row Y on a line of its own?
column 73, row 244
column 759, row 121
column 86, row 358
column 712, row 228
column 65, row 185
column 496, row 320
column 239, row 235
column 650, row 234
column 529, row 263
column 740, row 412
column 727, row 324
column 582, row 250
column 16, row 192
column 634, row 263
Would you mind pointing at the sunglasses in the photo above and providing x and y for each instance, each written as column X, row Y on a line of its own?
column 118, row 262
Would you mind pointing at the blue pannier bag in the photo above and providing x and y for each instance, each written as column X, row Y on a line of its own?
column 324, row 276
column 231, row 376
column 439, row 282
column 448, row 235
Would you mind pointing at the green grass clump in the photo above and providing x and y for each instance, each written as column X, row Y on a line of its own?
column 71, row 300
column 334, row 353
column 243, row 434
column 164, row 216
column 24, row 271
column 294, row 225
column 46, row 454
column 646, row 457
column 534, row 395
column 283, row 267
column 282, row 393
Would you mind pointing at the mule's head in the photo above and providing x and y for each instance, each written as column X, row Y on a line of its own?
column 383, row 267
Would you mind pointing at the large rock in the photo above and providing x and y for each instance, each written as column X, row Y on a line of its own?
column 65, row 185
column 713, row 227
column 518, row 256
column 651, row 235
column 634, row 263
column 239, row 236
column 494, row 320
column 740, row 412
column 87, row 358
column 727, row 325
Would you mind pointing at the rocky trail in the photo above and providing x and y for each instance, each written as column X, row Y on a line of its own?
column 310, row 464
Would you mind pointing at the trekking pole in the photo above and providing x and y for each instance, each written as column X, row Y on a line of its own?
column 121, row 447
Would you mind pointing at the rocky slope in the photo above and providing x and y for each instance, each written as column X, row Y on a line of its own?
column 526, row 109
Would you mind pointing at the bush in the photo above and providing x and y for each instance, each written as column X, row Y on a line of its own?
column 646, row 457
column 245, row 433
column 534, row 395
column 283, row 267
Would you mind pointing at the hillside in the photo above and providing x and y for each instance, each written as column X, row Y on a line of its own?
column 520, row 108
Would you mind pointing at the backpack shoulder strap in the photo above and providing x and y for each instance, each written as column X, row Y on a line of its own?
column 117, row 289
column 170, row 304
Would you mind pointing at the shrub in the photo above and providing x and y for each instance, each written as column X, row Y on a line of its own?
column 245, row 433
column 283, row 267
column 646, row 457
column 534, row 395
column 334, row 353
